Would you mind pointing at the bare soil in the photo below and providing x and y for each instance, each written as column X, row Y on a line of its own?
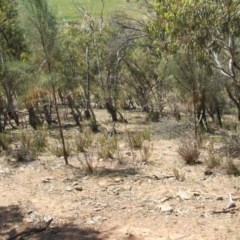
column 123, row 200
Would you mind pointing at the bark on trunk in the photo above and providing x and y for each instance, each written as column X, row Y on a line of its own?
column 112, row 110
column 34, row 120
column 74, row 110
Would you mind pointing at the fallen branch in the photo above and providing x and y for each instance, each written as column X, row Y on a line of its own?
column 229, row 210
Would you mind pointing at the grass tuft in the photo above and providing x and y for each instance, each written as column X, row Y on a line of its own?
column 136, row 139
column 189, row 151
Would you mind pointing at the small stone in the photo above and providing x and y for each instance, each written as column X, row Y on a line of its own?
column 47, row 218
column 118, row 179
column 127, row 187
column 166, row 199
column 47, row 179
column 184, row 195
column 166, row 208
column 28, row 220
column 220, row 198
column 30, row 211
column 103, row 183
column 196, row 194
column 75, row 183
column 68, row 189
column 78, row 188
column 208, row 172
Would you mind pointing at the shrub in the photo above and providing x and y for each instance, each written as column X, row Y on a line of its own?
column 83, row 141
column 108, row 147
column 213, row 160
column 232, row 168
column 26, row 140
column 136, row 139
column 57, row 149
column 189, row 151
column 178, row 175
column 5, row 141
column 86, row 164
column 39, row 141
column 146, row 153
column 232, row 146
column 22, row 154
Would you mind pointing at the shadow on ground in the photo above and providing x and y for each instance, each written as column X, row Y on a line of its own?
column 124, row 172
column 69, row 231
column 12, row 216
column 9, row 216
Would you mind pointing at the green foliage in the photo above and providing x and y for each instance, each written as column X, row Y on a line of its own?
column 11, row 35
column 195, row 24
column 42, row 19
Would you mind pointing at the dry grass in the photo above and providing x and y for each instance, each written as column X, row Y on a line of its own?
column 108, row 147
column 189, row 151
column 86, row 164
column 5, row 141
column 22, row 154
column 146, row 153
column 232, row 146
column 136, row 139
column 232, row 168
column 178, row 175
column 128, row 192
column 83, row 141
column 213, row 159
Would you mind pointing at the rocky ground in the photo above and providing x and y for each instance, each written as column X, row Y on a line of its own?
column 162, row 198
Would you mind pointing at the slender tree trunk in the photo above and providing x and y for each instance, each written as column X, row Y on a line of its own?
column 112, row 110
column 11, row 112
column 87, row 91
column 201, row 110
column 65, row 155
column 76, row 114
column 34, row 120
column 235, row 100
column 47, row 114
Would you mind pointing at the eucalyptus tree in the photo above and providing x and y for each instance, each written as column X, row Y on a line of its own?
column 146, row 79
column 208, row 30
column 12, row 51
column 79, row 62
column 100, row 51
column 143, row 68
column 45, row 25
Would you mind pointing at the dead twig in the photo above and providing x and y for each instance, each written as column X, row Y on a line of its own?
column 229, row 210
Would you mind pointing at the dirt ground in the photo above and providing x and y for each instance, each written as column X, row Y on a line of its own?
column 134, row 200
